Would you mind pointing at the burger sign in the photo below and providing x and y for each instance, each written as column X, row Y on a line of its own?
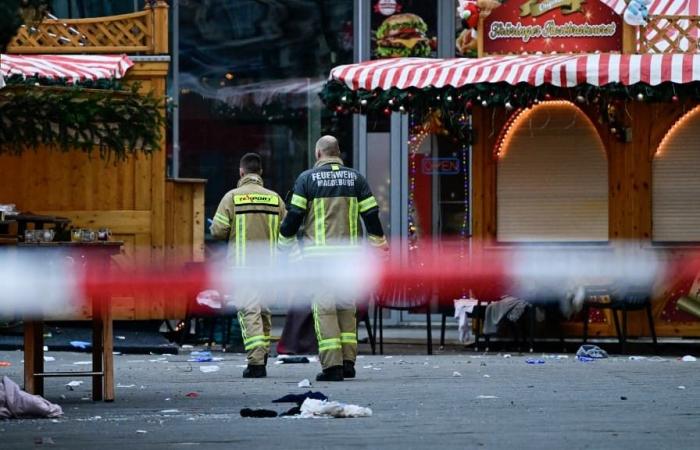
column 403, row 35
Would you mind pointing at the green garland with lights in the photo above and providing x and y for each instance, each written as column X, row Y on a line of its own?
column 116, row 123
column 456, row 103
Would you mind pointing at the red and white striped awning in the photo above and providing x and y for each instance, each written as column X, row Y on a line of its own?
column 558, row 70
column 71, row 67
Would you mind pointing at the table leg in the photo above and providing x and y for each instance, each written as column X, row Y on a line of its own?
column 97, row 347
column 30, row 350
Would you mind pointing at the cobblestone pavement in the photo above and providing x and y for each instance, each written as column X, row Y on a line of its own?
column 456, row 400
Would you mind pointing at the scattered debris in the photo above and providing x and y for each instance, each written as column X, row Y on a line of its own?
column 681, row 387
column 200, row 357
column 507, row 355
column 49, row 358
column 304, row 383
column 43, row 441
column 121, row 338
column 592, row 351
column 534, row 361
column 73, row 384
column 388, row 357
column 209, row 369
column 456, row 374
column 376, row 368
column 46, row 348
column 623, row 397
column 82, row 363
column 169, row 411
column 323, row 408
column 126, row 386
column 187, row 347
column 369, row 366
column 80, row 344
column 637, row 358
column 486, row 375
column 689, row 358
column 192, row 395
column 259, row 413
column 141, row 431
column 485, row 396
column 585, row 358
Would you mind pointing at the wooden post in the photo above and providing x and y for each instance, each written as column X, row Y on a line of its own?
column 160, row 31
column 629, row 39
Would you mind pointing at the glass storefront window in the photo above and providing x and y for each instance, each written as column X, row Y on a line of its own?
column 406, row 28
column 250, row 74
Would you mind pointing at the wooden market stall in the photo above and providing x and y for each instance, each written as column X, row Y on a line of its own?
column 159, row 220
column 575, row 147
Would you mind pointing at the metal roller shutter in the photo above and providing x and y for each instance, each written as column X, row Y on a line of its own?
column 676, row 183
column 552, row 180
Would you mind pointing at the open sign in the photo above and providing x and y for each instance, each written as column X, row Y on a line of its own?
column 441, row 166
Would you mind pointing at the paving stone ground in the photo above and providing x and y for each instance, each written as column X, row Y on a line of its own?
column 418, row 402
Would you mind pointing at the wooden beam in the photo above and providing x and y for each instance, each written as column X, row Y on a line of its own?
column 119, row 221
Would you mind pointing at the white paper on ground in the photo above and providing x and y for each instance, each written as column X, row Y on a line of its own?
column 209, row 369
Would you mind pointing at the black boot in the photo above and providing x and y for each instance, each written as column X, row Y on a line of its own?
column 348, row 369
column 254, row 372
column 334, row 373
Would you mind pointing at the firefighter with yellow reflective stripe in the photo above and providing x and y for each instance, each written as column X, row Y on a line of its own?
column 249, row 216
column 329, row 200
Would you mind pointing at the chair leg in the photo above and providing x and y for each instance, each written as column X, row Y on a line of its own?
column 532, row 328
column 369, row 333
column 376, row 321
column 624, row 330
column 381, row 332
column 586, row 314
column 650, row 318
column 616, row 321
column 442, row 330
column 429, row 326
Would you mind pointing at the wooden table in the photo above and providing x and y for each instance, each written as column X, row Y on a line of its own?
column 98, row 257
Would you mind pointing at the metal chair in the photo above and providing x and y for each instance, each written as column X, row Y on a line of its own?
column 401, row 299
column 617, row 299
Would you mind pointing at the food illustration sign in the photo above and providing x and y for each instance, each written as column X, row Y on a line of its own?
column 552, row 26
column 404, row 28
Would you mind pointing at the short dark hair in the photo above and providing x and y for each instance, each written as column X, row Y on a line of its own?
column 251, row 163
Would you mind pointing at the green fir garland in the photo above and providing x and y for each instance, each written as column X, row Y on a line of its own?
column 457, row 103
column 115, row 123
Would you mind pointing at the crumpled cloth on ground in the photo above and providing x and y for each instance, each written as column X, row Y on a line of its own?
column 312, row 408
column 299, row 398
column 17, row 404
column 591, row 351
column 507, row 307
column 464, row 306
column 258, row 413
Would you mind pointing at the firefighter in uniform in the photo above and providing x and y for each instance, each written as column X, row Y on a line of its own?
column 249, row 217
column 328, row 200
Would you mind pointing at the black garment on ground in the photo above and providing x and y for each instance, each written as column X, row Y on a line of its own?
column 259, row 413
column 299, row 398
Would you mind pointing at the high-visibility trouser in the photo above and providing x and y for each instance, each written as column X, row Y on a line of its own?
column 256, row 322
column 336, row 330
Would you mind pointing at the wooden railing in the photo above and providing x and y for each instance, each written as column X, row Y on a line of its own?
column 141, row 32
column 670, row 34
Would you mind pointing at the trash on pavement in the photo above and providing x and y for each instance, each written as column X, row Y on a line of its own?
column 49, row 358
column 187, row 347
column 82, row 363
column 141, row 431
column 73, row 384
column 637, row 358
column 209, row 369
column 200, row 357
column 126, row 386
column 169, row 411
column 80, row 344
column 507, row 355
column 534, row 361
column 121, row 338
column 592, row 351
column 192, row 395
column 486, row 396
column 299, row 398
column 260, row 413
column 486, row 375
column 304, row 383
column 585, row 358
column 456, row 374
column 283, row 359
column 681, row 387
column 689, row 358
column 323, row 408
column 17, row 404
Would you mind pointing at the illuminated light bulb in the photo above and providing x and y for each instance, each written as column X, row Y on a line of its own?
column 640, row 97
column 363, row 102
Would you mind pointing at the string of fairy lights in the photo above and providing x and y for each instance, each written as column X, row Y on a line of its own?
column 420, row 130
